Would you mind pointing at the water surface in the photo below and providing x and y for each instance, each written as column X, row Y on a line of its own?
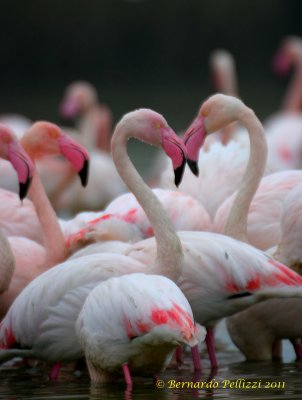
column 22, row 382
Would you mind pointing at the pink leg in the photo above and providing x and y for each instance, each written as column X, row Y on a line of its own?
column 54, row 373
column 127, row 375
column 298, row 348
column 178, row 355
column 196, row 358
column 210, row 342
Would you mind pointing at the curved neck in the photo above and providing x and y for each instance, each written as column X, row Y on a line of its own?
column 236, row 225
column 7, row 263
column 169, row 250
column 53, row 238
column 293, row 98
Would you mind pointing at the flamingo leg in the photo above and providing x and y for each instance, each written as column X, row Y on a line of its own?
column 210, row 342
column 298, row 348
column 54, row 373
column 178, row 355
column 196, row 358
column 127, row 375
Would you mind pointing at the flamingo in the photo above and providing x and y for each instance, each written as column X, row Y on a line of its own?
column 57, row 295
column 142, row 321
column 224, row 77
column 31, row 257
column 221, row 274
column 125, row 220
column 11, row 150
column 260, row 318
column 236, row 225
column 81, row 100
column 95, row 125
column 284, row 130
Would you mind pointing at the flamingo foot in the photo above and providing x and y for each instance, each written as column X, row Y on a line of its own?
column 196, row 358
column 54, row 373
column 210, row 342
column 127, row 375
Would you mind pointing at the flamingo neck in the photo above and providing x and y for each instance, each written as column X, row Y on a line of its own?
column 236, row 225
column 227, row 84
column 53, row 239
column 228, row 81
column 95, row 123
column 7, row 264
column 293, row 97
column 169, row 251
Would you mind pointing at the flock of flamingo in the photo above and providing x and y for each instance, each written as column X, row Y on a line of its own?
column 133, row 277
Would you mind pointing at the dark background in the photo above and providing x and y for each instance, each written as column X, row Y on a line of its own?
column 151, row 53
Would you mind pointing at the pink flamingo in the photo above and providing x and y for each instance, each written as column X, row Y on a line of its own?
column 81, row 100
column 58, row 294
column 11, row 150
column 260, row 318
column 31, row 257
column 284, row 129
column 236, row 225
column 125, row 220
column 139, row 325
column 95, row 125
column 224, row 77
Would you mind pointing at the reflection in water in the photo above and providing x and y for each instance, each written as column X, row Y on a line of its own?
column 230, row 381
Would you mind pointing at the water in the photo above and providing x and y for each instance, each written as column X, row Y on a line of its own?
column 20, row 382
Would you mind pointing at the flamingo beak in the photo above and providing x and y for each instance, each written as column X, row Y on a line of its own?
column 175, row 149
column 84, row 173
column 77, row 155
column 70, row 108
column 193, row 140
column 178, row 173
column 23, row 166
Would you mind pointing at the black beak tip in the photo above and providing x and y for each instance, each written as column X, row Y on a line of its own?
column 23, row 188
column 178, row 174
column 84, row 173
column 193, row 167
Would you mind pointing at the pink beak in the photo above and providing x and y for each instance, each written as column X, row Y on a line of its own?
column 281, row 64
column 175, row 149
column 23, row 166
column 70, row 108
column 77, row 155
column 193, row 140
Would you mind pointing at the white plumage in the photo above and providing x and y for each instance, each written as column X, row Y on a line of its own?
column 135, row 319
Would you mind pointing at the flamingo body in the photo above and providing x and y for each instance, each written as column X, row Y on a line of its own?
column 136, row 319
column 264, row 218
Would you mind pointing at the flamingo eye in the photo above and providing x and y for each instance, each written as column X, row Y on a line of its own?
column 158, row 125
column 205, row 113
column 53, row 134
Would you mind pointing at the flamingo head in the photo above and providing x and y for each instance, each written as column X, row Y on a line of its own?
column 288, row 54
column 215, row 113
column 151, row 127
column 79, row 96
column 45, row 138
column 11, row 150
column 222, row 66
